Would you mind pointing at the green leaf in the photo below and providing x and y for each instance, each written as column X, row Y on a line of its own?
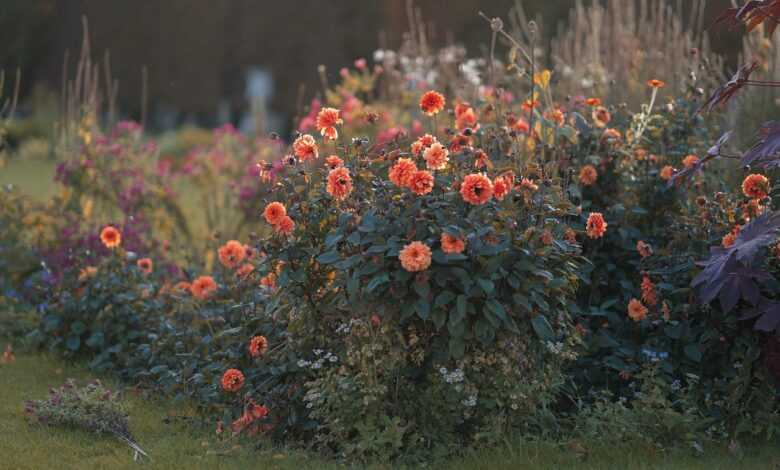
column 353, row 284
column 423, row 289
column 377, row 281
column 497, row 309
column 73, row 343
column 423, row 308
column 439, row 318
column 444, row 298
column 332, row 239
column 457, row 348
column 486, row 285
column 461, row 306
column 542, row 328
column 329, row 257
column 693, row 352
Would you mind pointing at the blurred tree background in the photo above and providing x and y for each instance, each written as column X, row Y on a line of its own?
column 198, row 52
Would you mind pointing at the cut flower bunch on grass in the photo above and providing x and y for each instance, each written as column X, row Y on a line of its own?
column 91, row 407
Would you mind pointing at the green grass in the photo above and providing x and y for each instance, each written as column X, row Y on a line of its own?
column 174, row 444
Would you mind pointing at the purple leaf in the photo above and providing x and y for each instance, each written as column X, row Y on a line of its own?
column 764, row 154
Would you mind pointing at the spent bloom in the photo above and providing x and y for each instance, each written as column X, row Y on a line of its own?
column 415, row 257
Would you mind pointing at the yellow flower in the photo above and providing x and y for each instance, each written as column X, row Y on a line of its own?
column 542, row 79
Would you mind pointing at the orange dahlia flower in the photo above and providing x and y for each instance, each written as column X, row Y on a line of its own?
column 87, row 273
column 232, row 380
column 636, row 310
column 432, row 103
column 644, row 249
column 182, row 286
column 339, row 183
column 521, row 126
column 415, row 257
column 402, row 171
column 649, row 295
column 334, row 162
column 547, row 238
column 258, row 346
column 593, row 102
column 451, row 244
column 327, row 120
column 145, row 265
column 601, row 116
column 436, row 157
column 422, row 143
column 588, row 175
column 245, row 270
column 231, row 254
column 466, row 118
column 274, row 212
column 421, row 182
column 667, row 172
column 596, row 227
column 110, row 237
column 501, row 188
column 305, row 148
column 203, row 287
column 285, row 226
column 690, row 161
column 476, row 189
column 481, row 160
column 269, row 281
column 729, row 239
column 611, row 135
column 755, row 186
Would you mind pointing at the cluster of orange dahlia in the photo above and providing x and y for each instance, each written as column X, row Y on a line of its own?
column 276, row 214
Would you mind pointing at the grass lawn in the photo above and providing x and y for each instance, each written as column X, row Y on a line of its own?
column 25, row 445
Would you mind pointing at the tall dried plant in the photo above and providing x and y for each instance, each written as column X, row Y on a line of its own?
column 84, row 96
column 611, row 49
column 749, row 110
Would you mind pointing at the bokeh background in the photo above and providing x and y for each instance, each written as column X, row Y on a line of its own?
column 205, row 59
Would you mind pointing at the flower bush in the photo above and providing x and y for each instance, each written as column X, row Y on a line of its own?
column 440, row 257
